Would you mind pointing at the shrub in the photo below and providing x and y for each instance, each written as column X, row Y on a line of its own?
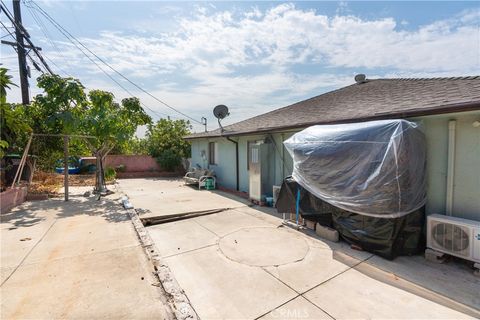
column 169, row 160
column 110, row 174
column 47, row 160
column 121, row 168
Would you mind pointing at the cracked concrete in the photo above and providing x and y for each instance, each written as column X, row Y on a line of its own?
column 260, row 280
column 272, row 246
column 173, row 196
column 83, row 260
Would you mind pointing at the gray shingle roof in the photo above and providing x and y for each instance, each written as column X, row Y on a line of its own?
column 374, row 99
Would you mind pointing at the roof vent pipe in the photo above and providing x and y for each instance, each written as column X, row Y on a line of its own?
column 360, row 78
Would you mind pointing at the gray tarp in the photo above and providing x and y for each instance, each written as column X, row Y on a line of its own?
column 374, row 168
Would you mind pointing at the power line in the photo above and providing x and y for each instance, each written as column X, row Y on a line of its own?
column 23, row 30
column 24, row 35
column 45, row 32
column 66, row 35
column 107, row 74
column 9, row 33
column 20, row 36
column 59, row 27
column 37, row 67
column 27, row 53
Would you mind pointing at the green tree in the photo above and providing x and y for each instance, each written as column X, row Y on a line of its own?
column 112, row 124
column 133, row 146
column 165, row 141
column 138, row 146
column 57, row 110
column 12, row 124
column 65, row 108
column 60, row 107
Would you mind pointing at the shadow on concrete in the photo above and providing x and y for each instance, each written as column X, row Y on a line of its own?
column 21, row 218
column 175, row 178
column 141, row 211
column 452, row 284
column 231, row 196
column 34, row 212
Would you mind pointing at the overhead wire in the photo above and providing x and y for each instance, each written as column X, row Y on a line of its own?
column 25, row 35
column 47, row 35
column 9, row 33
column 66, row 35
column 70, row 36
column 27, row 53
column 158, row 114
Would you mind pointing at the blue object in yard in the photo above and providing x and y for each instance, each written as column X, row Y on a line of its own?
column 297, row 204
column 73, row 166
column 269, row 201
column 71, row 170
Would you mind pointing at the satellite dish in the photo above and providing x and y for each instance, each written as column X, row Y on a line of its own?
column 220, row 111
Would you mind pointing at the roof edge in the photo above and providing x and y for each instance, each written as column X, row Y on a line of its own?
column 444, row 109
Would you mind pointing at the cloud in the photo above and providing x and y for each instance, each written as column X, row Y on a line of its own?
column 257, row 60
column 284, row 36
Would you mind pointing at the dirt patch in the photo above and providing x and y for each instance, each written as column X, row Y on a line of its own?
column 50, row 182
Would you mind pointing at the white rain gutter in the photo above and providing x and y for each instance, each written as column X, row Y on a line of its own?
column 452, row 124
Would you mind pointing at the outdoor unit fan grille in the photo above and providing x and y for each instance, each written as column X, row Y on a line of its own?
column 451, row 237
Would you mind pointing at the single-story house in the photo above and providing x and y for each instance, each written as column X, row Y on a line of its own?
column 448, row 108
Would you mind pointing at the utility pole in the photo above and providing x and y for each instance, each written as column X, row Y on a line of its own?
column 22, row 55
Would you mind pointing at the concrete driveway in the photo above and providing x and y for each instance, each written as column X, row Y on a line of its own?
column 155, row 197
column 242, row 263
column 80, row 259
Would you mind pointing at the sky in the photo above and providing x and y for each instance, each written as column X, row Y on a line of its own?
column 253, row 57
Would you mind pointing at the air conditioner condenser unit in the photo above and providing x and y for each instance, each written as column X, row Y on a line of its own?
column 454, row 236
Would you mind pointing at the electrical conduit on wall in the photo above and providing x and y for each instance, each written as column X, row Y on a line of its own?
column 452, row 124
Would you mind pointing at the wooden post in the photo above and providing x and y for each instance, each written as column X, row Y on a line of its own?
column 18, row 174
column 33, row 171
column 65, row 166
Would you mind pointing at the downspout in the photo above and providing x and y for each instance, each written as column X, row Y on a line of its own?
column 450, row 166
column 283, row 158
column 236, row 162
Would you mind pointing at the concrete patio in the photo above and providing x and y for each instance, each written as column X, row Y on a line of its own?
column 242, row 263
column 80, row 259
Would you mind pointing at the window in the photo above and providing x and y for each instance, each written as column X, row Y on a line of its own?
column 212, row 153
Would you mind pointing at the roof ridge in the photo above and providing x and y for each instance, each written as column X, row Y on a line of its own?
column 292, row 104
column 431, row 78
column 377, row 97
column 354, row 84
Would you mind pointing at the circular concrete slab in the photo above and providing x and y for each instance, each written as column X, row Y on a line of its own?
column 263, row 246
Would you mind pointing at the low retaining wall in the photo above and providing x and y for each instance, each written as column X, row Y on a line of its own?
column 133, row 163
column 149, row 174
column 12, row 198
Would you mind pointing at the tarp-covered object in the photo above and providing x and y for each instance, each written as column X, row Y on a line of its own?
column 374, row 168
column 387, row 237
column 310, row 207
